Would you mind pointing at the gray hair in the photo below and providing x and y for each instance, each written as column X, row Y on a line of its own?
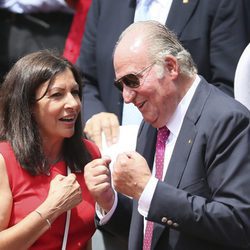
column 161, row 42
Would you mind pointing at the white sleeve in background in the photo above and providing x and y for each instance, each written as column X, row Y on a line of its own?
column 242, row 78
column 30, row 6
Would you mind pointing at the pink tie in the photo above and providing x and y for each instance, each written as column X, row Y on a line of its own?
column 162, row 137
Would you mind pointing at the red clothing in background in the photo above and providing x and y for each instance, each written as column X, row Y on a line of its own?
column 74, row 39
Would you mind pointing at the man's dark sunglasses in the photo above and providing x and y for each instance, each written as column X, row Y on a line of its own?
column 131, row 80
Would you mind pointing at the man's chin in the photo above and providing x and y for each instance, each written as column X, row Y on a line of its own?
column 153, row 122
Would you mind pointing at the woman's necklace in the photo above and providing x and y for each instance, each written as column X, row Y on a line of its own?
column 53, row 162
column 59, row 158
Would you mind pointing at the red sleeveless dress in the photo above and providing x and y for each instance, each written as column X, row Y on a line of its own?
column 30, row 191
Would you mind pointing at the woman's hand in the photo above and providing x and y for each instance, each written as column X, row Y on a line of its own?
column 64, row 194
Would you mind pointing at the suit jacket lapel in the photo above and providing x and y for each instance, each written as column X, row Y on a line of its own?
column 187, row 136
column 181, row 153
column 146, row 142
column 126, row 17
column 184, row 145
column 179, row 15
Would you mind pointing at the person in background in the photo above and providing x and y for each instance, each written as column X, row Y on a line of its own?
column 31, row 25
column 242, row 78
column 74, row 38
column 44, row 202
column 214, row 32
column 189, row 176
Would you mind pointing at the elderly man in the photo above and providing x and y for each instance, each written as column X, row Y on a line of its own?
column 214, row 32
column 189, row 178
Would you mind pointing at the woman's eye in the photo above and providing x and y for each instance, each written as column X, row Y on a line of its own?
column 56, row 94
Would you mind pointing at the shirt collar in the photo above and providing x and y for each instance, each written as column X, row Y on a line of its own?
column 174, row 124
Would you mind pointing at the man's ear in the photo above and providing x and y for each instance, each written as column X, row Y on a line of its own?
column 172, row 66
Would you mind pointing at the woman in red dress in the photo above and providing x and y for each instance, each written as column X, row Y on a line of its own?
column 44, row 202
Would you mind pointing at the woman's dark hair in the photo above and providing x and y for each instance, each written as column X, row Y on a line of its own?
column 17, row 123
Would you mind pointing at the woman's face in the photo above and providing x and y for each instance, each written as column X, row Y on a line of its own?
column 57, row 111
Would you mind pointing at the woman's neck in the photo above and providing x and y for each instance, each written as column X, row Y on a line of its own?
column 53, row 152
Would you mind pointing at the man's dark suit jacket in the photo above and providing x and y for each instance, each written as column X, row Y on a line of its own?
column 213, row 31
column 205, row 195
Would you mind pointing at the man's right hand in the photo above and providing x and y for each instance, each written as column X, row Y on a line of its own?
column 98, row 180
column 102, row 122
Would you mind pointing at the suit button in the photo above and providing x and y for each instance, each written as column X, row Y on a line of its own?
column 175, row 224
column 164, row 219
column 170, row 222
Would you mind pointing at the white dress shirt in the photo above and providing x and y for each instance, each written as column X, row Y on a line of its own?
column 157, row 10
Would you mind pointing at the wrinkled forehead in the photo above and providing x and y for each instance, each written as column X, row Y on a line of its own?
column 131, row 48
column 130, row 61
